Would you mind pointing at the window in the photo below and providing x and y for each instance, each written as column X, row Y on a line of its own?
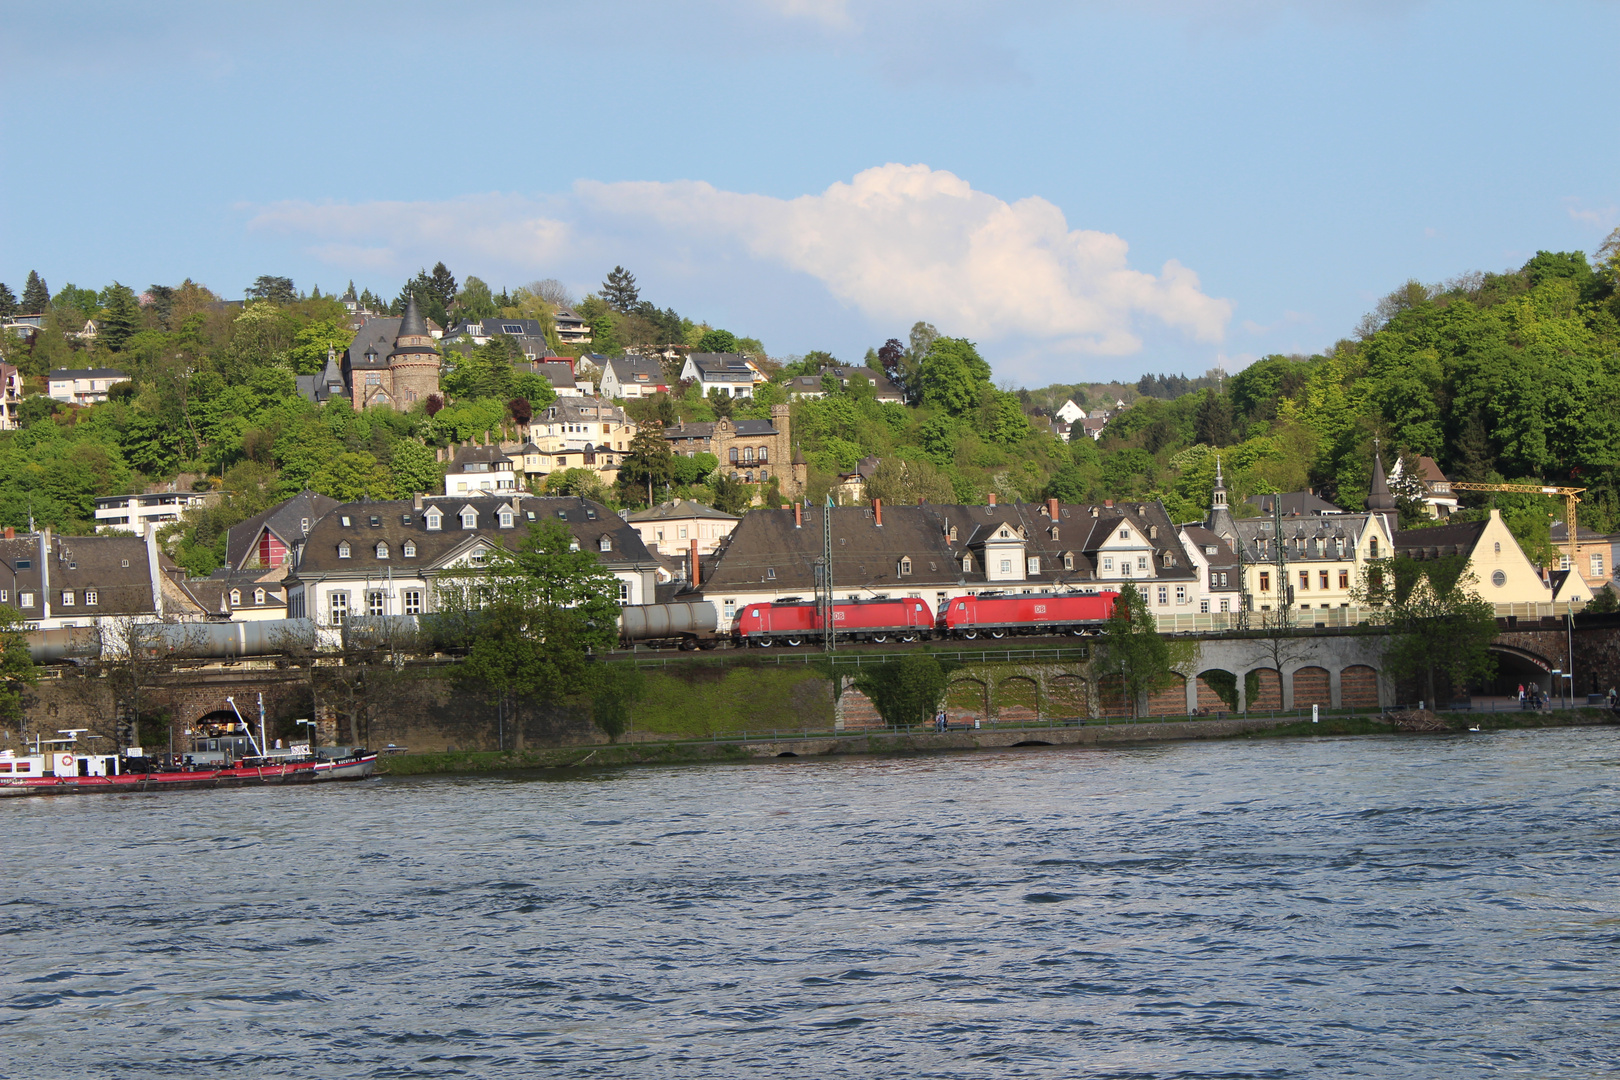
column 1108, row 564
column 770, row 573
column 730, row 612
column 1344, row 579
column 1223, row 577
column 90, row 598
column 338, row 606
column 435, row 520
column 764, row 454
column 27, row 564
column 376, row 521
column 683, row 532
column 469, row 518
column 1181, row 594
column 376, row 604
column 1563, row 562
column 1203, row 607
column 733, row 455
column 1164, row 595
column 25, row 599
column 1372, row 548
column 408, row 549
column 1169, row 560
column 345, row 520
column 1498, row 579
column 748, row 454
column 905, row 565
column 607, row 543
column 343, row 549
column 967, row 563
column 506, row 518
column 1124, row 534
column 1033, row 564
column 413, row 601
column 1304, row 580
column 236, row 598
column 1068, row 560
column 1265, row 581
column 1597, row 565
column 373, row 378
column 382, row 551
column 1006, row 566
column 1322, row 579
column 624, row 592
column 1499, row 547
column 258, row 596
column 5, row 596
column 1125, row 567
column 477, row 557
column 67, row 598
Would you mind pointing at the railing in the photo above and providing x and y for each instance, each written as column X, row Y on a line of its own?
column 1056, row 654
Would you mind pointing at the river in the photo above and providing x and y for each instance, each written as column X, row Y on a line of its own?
column 1417, row 906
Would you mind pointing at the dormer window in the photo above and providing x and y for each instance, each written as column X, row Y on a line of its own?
column 967, row 563
column 236, row 598
column 376, row 521
column 382, row 550
column 1054, row 532
column 905, row 565
column 952, row 535
column 1153, row 532
column 607, row 543
column 408, row 549
column 506, row 518
column 1169, row 560
column 1068, row 560
column 435, row 520
column 469, row 518
column 258, row 596
column 343, row 549
column 346, row 520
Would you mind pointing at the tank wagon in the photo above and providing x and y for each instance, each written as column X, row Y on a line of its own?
column 992, row 615
column 793, row 622
column 689, row 626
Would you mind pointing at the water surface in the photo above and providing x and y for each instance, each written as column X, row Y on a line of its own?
column 1390, row 907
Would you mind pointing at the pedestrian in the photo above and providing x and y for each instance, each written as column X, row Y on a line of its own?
column 1521, row 695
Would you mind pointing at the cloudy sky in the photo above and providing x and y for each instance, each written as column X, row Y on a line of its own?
column 1089, row 189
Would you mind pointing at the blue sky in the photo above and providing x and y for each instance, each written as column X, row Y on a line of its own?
column 1090, row 190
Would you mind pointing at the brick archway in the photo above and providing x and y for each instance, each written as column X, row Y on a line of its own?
column 967, row 699
column 1018, row 698
column 1312, row 686
column 1169, row 700
column 1358, row 687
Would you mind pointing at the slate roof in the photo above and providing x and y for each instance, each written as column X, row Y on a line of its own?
column 749, row 429
column 62, row 374
column 114, row 566
column 394, row 522
column 478, row 455
column 375, row 334
column 765, row 550
column 722, row 367
column 1301, row 535
column 1440, row 540
column 1294, row 504
column 285, row 520
column 213, row 592
column 633, row 370
column 560, row 376
column 683, row 509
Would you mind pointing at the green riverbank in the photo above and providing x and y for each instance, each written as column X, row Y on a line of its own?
column 905, row 743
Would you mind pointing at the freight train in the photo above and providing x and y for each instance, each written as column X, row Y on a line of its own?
column 689, row 625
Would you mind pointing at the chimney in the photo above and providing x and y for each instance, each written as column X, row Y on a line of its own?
column 1052, row 509
column 992, row 498
column 416, row 501
column 697, row 574
column 877, row 511
column 798, row 516
column 1108, row 503
column 11, row 533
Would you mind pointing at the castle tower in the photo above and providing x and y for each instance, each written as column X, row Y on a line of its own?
column 414, row 363
column 795, row 479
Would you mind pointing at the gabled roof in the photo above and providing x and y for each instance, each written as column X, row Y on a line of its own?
column 631, row 369
column 63, row 374
column 395, row 522
column 558, row 375
column 1223, row 558
column 721, row 367
column 475, row 454
column 683, row 509
column 285, row 520
column 1440, row 540
column 376, row 335
column 766, row 551
column 114, row 566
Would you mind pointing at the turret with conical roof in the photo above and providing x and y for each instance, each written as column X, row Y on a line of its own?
column 414, row 363
column 1220, row 521
column 1379, row 500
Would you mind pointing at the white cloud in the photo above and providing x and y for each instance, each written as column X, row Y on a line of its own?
column 904, row 242
column 897, row 243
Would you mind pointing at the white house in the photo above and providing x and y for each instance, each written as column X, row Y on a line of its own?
column 83, row 386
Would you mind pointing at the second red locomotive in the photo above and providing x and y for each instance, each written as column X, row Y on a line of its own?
column 794, row 622
column 997, row 615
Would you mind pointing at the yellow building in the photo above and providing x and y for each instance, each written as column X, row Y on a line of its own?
column 1501, row 571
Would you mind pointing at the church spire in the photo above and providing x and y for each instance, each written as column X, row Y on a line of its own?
column 1379, row 498
column 1218, row 497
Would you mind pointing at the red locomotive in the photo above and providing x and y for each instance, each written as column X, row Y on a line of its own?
column 995, row 615
column 795, row 622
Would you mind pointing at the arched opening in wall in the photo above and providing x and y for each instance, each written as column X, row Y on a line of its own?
column 1017, row 699
column 1513, row 667
column 1111, row 700
column 1358, row 687
column 858, row 710
column 966, row 701
column 1067, row 698
column 1312, row 686
column 1263, row 689
column 1169, row 699
column 1217, row 690
column 216, row 723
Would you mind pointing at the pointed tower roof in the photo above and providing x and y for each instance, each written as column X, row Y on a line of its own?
column 412, row 325
column 1220, row 520
column 1379, row 497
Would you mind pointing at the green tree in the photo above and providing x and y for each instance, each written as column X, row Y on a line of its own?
column 578, row 482
column 311, row 342
column 718, row 341
column 906, row 692
column 619, row 290
column 8, row 301
column 17, row 671
column 36, row 297
column 648, row 466
column 532, row 617
column 414, row 469
column 475, row 301
column 277, row 290
column 1133, row 650
column 722, row 403
column 902, row 483
column 731, row 496
column 442, row 284
column 351, row 476
column 1438, row 624
column 1214, row 424
column 121, row 317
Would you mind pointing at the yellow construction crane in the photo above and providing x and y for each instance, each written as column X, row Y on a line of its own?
column 1571, row 497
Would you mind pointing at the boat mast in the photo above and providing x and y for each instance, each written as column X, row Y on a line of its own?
column 264, row 742
column 257, row 750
